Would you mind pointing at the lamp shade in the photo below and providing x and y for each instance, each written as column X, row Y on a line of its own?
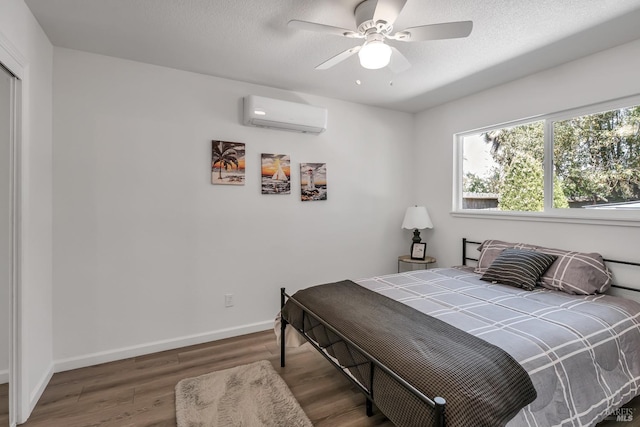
column 416, row 217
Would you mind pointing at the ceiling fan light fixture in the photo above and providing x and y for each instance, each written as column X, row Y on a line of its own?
column 374, row 22
column 375, row 54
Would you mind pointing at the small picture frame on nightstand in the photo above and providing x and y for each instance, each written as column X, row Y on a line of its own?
column 418, row 251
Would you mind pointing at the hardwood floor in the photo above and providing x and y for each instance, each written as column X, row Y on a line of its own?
column 4, row 405
column 140, row 391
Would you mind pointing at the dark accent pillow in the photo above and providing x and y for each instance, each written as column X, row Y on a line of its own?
column 518, row 267
column 491, row 249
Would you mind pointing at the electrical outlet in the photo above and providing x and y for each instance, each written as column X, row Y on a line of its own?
column 228, row 300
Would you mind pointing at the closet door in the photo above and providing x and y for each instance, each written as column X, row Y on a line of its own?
column 6, row 87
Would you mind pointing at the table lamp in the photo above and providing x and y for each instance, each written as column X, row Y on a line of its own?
column 416, row 218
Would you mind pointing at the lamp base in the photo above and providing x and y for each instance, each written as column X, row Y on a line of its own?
column 416, row 236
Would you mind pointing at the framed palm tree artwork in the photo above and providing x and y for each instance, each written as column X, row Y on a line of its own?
column 276, row 174
column 313, row 181
column 227, row 162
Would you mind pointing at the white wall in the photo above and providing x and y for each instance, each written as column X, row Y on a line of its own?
column 607, row 75
column 29, row 49
column 145, row 247
column 5, row 224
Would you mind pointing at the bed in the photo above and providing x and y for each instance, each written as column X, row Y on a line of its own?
column 442, row 347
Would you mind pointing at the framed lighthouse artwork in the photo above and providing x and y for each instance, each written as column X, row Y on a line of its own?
column 313, row 181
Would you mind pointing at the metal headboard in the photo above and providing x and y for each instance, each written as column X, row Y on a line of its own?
column 466, row 258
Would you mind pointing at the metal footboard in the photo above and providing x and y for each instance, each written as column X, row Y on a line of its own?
column 437, row 403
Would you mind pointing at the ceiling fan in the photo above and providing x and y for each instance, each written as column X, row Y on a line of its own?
column 374, row 21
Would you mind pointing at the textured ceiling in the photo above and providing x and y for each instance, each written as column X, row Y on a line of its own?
column 249, row 40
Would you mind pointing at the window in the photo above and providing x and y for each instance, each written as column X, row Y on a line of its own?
column 563, row 164
column 503, row 170
column 597, row 158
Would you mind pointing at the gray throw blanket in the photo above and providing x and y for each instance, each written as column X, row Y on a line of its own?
column 483, row 385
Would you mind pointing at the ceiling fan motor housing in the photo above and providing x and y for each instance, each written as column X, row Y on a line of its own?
column 364, row 19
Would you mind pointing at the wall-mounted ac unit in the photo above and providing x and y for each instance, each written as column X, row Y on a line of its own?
column 285, row 115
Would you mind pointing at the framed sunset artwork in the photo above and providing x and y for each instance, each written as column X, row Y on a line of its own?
column 276, row 174
column 227, row 162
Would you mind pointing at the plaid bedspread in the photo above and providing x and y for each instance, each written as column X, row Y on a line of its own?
column 482, row 384
column 581, row 352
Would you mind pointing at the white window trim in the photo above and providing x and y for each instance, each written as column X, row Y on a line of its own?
column 550, row 214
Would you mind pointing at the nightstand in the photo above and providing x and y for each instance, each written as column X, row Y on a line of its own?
column 414, row 264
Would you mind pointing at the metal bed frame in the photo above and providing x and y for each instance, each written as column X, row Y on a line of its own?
column 466, row 258
column 437, row 403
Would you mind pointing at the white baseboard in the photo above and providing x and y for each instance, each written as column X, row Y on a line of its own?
column 153, row 347
column 36, row 393
column 4, row 376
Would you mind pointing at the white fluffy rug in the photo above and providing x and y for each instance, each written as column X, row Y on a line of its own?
column 251, row 395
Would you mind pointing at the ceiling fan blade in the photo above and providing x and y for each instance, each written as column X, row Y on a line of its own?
column 398, row 62
column 338, row 58
column 448, row 30
column 388, row 10
column 322, row 28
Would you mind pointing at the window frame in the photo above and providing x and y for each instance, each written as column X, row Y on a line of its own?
column 549, row 214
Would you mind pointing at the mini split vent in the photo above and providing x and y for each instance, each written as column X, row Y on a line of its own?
column 284, row 115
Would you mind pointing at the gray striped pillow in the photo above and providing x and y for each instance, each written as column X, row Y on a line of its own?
column 577, row 273
column 518, row 267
